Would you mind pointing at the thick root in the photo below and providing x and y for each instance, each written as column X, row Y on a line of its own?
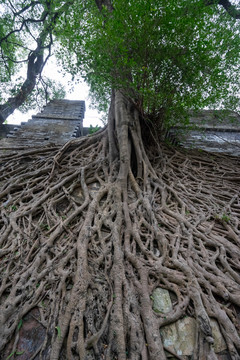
column 84, row 242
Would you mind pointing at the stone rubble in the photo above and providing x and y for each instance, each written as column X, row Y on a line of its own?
column 180, row 336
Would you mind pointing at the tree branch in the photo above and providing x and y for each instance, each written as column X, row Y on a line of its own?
column 31, row 4
column 226, row 4
column 36, row 63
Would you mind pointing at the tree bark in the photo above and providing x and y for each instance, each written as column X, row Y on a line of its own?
column 35, row 65
column 87, row 233
column 36, row 61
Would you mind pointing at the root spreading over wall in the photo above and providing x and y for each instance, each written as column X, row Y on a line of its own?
column 88, row 231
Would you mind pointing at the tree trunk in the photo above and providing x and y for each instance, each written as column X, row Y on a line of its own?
column 90, row 231
column 35, row 64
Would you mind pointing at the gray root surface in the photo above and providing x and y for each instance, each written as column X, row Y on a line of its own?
column 89, row 230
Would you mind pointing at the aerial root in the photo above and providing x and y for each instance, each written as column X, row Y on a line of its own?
column 88, row 254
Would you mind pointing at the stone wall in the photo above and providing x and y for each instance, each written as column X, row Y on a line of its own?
column 61, row 120
column 211, row 130
column 5, row 129
column 58, row 122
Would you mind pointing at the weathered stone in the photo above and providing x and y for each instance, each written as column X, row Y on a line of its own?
column 161, row 301
column 58, row 122
column 210, row 130
column 93, row 189
column 78, row 195
column 180, row 336
column 219, row 342
column 31, row 337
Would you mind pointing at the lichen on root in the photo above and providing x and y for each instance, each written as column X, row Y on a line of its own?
column 89, row 230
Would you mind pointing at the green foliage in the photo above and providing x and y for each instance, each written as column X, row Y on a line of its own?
column 19, row 324
column 8, row 50
column 19, row 352
column 46, row 90
column 223, row 218
column 25, row 26
column 93, row 129
column 167, row 56
column 58, row 331
column 16, row 352
column 9, row 356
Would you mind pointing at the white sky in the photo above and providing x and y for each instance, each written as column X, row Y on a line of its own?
column 80, row 92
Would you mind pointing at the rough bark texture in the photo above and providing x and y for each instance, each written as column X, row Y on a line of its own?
column 35, row 64
column 89, row 230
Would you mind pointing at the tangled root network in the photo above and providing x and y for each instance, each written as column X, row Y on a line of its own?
column 81, row 254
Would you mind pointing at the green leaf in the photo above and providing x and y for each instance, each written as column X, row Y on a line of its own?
column 20, row 352
column 42, row 304
column 58, row 331
column 9, row 356
column 19, row 324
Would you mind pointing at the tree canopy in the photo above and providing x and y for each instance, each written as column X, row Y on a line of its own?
column 167, row 56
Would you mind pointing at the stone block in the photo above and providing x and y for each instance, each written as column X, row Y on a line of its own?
column 180, row 336
column 161, row 300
